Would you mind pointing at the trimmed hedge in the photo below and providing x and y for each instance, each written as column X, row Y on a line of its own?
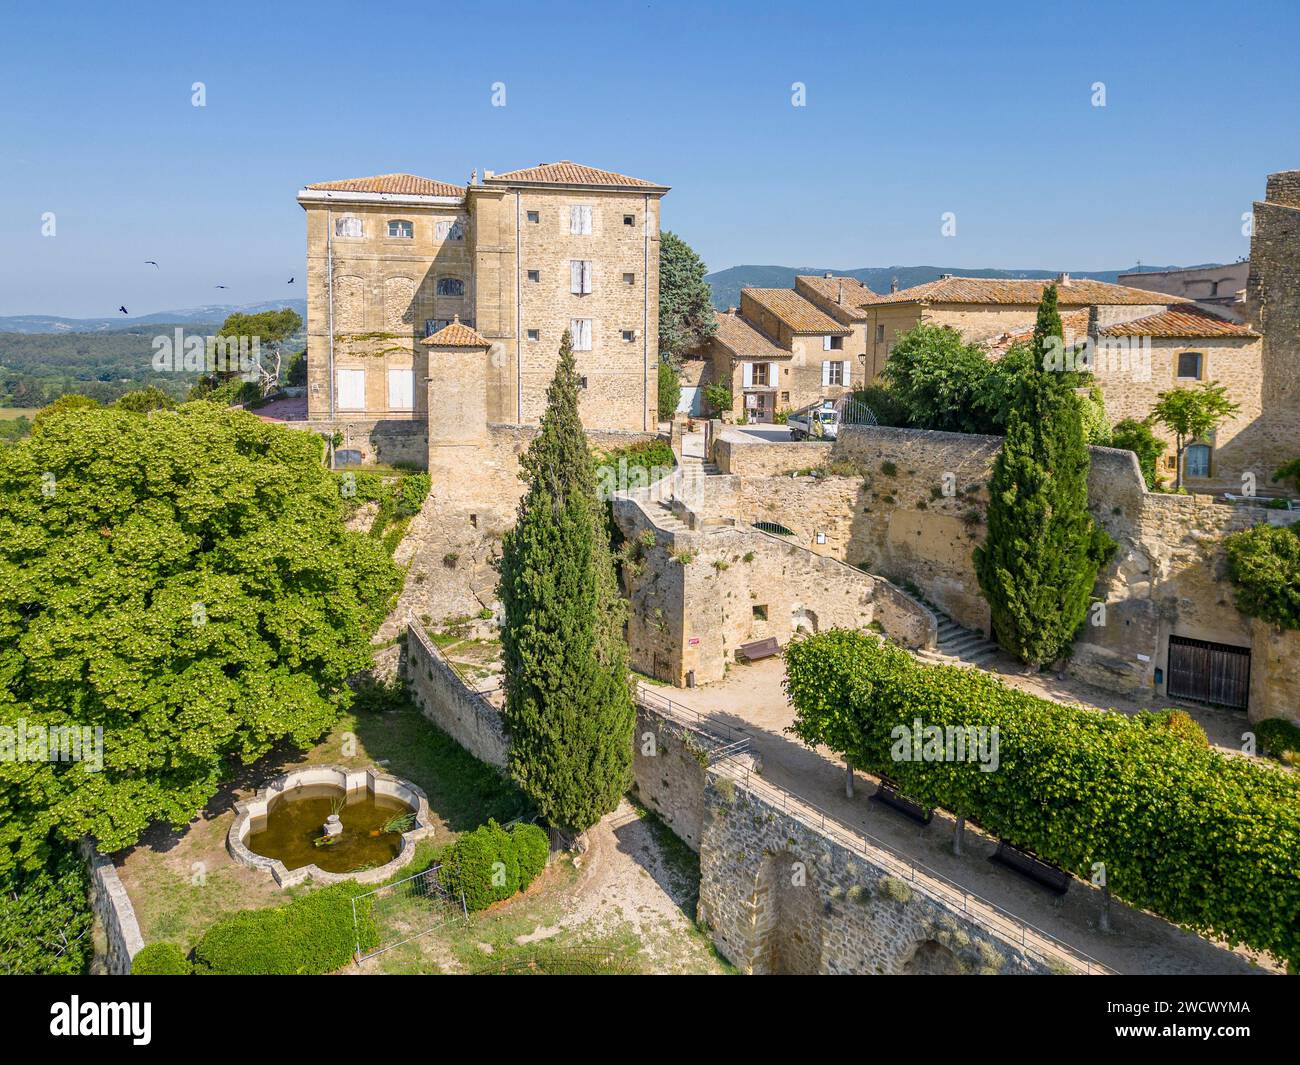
column 1280, row 739
column 160, row 959
column 491, row 864
column 1208, row 841
column 311, row 935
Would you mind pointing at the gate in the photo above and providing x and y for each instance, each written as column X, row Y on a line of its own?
column 853, row 411
column 1209, row 672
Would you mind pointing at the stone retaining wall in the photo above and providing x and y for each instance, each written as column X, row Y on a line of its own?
column 112, row 906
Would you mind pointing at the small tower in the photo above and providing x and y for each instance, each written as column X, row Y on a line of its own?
column 457, row 393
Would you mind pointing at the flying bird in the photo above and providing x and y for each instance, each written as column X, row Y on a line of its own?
column 150, row 262
column 289, row 282
column 124, row 310
column 223, row 286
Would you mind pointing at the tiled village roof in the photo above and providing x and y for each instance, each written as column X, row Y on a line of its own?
column 568, row 173
column 456, row 335
column 1072, row 293
column 856, row 294
column 1074, row 324
column 1183, row 320
column 743, row 340
column 801, row 315
column 394, row 184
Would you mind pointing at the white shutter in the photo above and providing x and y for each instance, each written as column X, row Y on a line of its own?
column 581, row 330
column 575, row 277
column 748, row 373
column 352, row 389
column 586, row 221
column 580, row 220
column 847, row 364
column 401, row 389
column 826, row 374
column 774, row 374
column 826, row 343
column 586, row 277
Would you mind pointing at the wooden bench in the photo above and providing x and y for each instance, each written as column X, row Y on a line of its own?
column 752, row 652
column 887, row 794
column 1031, row 867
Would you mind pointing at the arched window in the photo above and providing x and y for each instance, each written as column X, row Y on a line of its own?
column 401, row 228
column 451, row 286
column 348, row 225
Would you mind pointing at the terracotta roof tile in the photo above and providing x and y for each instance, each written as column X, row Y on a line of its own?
column 567, row 173
column 743, row 340
column 1183, row 320
column 1072, row 293
column 856, row 294
column 393, row 184
column 801, row 315
column 456, row 335
column 1073, row 324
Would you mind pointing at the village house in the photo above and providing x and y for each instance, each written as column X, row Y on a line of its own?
column 518, row 258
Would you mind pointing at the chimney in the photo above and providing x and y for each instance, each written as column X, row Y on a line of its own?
column 828, row 275
column 839, row 297
column 893, row 285
column 1062, row 279
column 489, row 174
column 945, row 277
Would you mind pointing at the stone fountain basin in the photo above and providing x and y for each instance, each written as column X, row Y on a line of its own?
column 349, row 781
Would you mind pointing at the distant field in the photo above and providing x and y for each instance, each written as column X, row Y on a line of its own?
column 10, row 413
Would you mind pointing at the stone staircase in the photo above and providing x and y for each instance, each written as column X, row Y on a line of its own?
column 959, row 646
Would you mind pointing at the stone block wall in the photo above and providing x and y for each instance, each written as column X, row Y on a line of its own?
column 116, row 916
column 467, row 717
column 781, row 895
column 669, row 762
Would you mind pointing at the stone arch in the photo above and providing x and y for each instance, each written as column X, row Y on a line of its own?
column 349, row 304
column 804, row 620
column 929, row 957
column 399, row 302
column 788, row 916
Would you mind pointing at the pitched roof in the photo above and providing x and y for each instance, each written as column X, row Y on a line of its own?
column 743, row 340
column 1072, row 293
column 801, row 315
column 394, row 184
column 1183, row 320
column 456, row 335
column 1073, row 324
column 567, row 173
column 856, row 294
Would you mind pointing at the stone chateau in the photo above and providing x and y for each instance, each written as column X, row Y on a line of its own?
column 515, row 258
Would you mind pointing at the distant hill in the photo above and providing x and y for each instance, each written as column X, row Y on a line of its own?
column 726, row 284
column 211, row 314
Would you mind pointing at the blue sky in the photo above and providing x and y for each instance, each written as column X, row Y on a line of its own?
column 912, row 110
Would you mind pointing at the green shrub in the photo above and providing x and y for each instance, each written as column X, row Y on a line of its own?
column 45, row 917
column 718, row 396
column 1178, row 723
column 1137, row 437
column 533, row 846
column 883, row 404
column 1204, row 839
column 411, row 494
column 670, row 390
column 160, row 959
column 1264, row 564
column 505, row 870
column 311, row 935
column 1279, row 738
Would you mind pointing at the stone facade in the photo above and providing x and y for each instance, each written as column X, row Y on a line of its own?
column 782, row 894
column 1218, row 288
column 669, row 763
column 392, row 259
column 894, row 517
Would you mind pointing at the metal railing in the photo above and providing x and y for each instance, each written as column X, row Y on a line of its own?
column 1006, row 925
column 723, row 740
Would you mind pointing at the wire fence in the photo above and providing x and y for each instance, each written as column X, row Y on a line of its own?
column 404, row 910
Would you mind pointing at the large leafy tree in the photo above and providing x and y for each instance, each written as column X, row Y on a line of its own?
column 568, row 705
column 1040, row 559
column 685, row 299
column 1192, row 414
column 935, row 376
column 183, row 581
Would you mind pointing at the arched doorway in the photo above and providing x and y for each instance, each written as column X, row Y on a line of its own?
column 931, row 958
column 803, row 620
column 788, row 917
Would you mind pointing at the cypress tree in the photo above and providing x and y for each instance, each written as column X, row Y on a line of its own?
column 568, row 703
column 1040, row 558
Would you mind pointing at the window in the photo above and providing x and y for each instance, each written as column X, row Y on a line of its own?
column 785, row 397
column 448, row 229
column 580, row 276
column 760, row 613
column 534, row 334
column 1189, row 365
column 432, row 325
column 629, row 335
column 1196, row 460
column 582, row 382
column 348, row 225
column 581, row 330
column 835, row 373
column 629, row 219
column 832, row 343
column 534, row 275
column 880, row 334
column 401, row 229
column 629, row 279
column 450, row 286
column 534, row 216
column 401, row 389
column 759, row 375
column 580, row 221
column 351, row 389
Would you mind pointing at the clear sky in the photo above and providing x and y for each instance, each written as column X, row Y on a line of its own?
column 912, row 110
